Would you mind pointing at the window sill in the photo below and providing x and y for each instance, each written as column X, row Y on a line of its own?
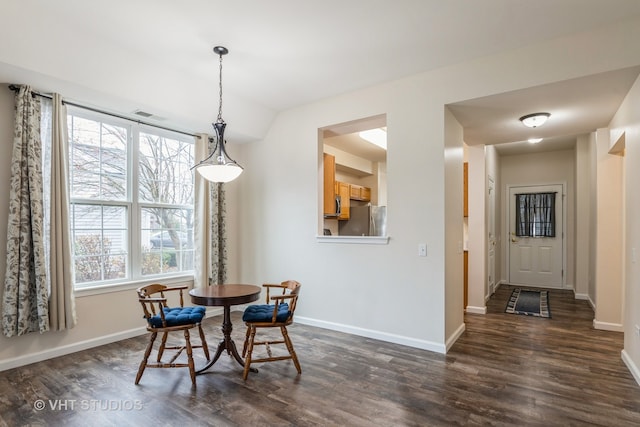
column 360, row 240
column 119, row 287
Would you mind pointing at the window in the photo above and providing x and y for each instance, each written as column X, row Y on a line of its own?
column 536, row 215
column 131, row 191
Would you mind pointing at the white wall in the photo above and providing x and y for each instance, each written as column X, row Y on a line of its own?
column 454, row 261
column 477, row 225
column 279, row 243
column 609, row 239
column 583, row 237
column 627, row 120
column 593, row 217
column 366, row 289
column 555, row 167
column 492, row 160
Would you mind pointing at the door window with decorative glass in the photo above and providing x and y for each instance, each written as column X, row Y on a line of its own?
column 536, row 215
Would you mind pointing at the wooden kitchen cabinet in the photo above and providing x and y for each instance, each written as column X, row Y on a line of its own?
column 343, row 190
column 354, row 191
column 329, row 163
column 358, row 192
column 365, row 193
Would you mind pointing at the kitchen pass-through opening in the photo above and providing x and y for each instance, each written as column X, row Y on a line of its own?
column 354, row 190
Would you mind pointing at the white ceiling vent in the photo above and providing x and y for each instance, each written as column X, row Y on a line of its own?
column 147, row 115
column 142, row 113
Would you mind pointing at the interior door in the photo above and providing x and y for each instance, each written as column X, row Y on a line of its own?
column 536, row 261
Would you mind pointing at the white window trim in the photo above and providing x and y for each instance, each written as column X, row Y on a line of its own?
column 107, row 288
column 362, row 240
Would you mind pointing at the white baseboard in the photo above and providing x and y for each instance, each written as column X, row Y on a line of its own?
column 368, row 333
column 453, row 338
column 476, row 310
column 70, row 348
column 614, row 327
column 39, row 356
column 633, row 368
column 587, row 298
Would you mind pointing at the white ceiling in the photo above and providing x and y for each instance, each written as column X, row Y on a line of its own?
column 156, row 55
column 345, row 137
column 577, row 106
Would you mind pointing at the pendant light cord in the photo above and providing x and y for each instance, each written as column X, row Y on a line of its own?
column 220, row 120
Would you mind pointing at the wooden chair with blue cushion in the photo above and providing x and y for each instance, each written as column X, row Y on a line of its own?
column 164, row 319
column 276, row 313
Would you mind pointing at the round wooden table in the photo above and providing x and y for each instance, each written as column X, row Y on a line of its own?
column 225, row 296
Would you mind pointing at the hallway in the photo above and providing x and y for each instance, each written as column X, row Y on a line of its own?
column 557, row 370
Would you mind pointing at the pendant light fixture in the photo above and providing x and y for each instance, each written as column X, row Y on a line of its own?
column 218, row 166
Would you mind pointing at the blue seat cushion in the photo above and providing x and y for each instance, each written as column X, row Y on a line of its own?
column 264, row 313
column 178, row 316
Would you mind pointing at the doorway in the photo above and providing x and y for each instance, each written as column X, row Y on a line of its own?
column 536, row 259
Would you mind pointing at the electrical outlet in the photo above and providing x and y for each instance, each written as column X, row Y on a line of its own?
column 638, row 330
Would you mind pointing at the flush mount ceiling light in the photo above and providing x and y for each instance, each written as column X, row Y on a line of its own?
column 375, row 136
column 534, row 140
column 219, row 167
column 535, row 119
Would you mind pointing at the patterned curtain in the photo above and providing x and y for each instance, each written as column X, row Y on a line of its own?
column 218, row 235
column 536, row 215
column 209, row 225
column 25, row 305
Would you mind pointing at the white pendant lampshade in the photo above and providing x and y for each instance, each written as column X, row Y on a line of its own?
column 220, row 173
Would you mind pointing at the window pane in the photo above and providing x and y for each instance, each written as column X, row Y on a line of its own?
column 98, row 159
column 100, row 242
column 165, row 170
column 167, row 240
column 151, row 263
column 535, row 215
column 115, row 267
column 85, row 185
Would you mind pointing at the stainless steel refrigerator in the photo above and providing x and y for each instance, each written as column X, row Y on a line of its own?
column 365, row 220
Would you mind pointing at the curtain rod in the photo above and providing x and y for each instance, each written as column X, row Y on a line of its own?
column 16, row 88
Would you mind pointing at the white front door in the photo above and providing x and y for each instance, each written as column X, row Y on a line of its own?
column 536, row 261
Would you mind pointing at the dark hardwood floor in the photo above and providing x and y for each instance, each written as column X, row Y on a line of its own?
column 506, row 369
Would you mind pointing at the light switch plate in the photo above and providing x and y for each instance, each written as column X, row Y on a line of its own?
column 422, row 249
